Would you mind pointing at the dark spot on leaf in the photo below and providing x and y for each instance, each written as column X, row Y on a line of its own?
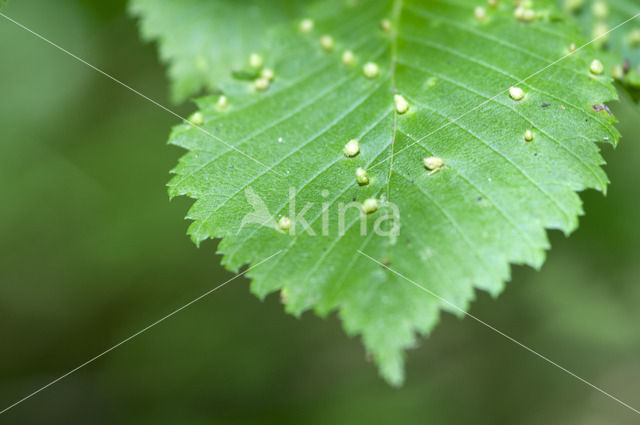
column 599, row 107
column 479, row 198
column 545, row 105
column 626, row 67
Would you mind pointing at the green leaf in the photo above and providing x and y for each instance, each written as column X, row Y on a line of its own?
column 460, row 227
column 620, row 48
column 202, row 40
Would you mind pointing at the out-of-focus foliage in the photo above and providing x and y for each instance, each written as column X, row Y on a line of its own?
column 87, row 234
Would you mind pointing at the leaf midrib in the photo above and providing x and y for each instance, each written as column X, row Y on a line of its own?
column 396, row 12
column 397, row 8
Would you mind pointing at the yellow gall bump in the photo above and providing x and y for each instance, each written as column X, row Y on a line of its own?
column 634, row 37
column 267, row 74
column 523, row 14
column 284, row 223
column 617, row 72
column 480, row 13
column 255, row 61
column 385, row 25
column 371, row 70
column 306, row 26
column 222, row 102
column 516, row 93
column 528, row 135
column 600, row 34
column 361, row 177
column 573, row 5
column 600, row 10
column 369, row 206
column 283, row 296
column 352, row 148
column 596, row 67
column 433, row 163
column 261, row 84
column 348, row 58
column 528, row 15
column 493, row 3
column 326, row 41
column 519, row 13
column 197, row 118
column 401, row 104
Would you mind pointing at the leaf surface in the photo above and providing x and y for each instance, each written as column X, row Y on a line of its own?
column 618, row 37
column 203, row 40
column 460, row 227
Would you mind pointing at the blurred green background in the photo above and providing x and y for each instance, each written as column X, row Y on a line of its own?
column 91, row 251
